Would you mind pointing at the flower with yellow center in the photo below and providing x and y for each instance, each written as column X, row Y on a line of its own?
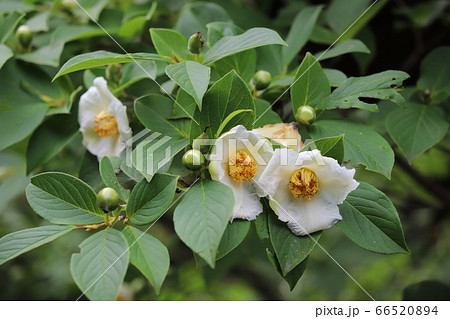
column 305, row 188
column 238, row 159
column 284, row 133
column 103, row 121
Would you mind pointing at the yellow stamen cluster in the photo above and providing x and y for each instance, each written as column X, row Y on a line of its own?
column 242, row 167
column 304, row 183
column 107, row 124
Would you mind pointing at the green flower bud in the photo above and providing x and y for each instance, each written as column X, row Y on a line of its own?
column 198, row 145
column 305, row 115
column 113, row 72
column 193, row 160
column 108, row 199
column 68, row 4
column 262, row 79
column 24, row 35
column 196, row 42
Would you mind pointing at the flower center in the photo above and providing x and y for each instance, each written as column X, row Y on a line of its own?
column 242, row 167
column 304, row 183
column 107, row 124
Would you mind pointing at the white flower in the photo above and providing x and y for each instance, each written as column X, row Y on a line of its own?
column 284, row 133
column 305, row 188
column 103, row 121
column 239, row 158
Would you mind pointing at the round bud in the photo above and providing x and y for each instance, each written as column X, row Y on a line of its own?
column 193, row 160
column 24, row 35
column 196, row 42
column 305, row 115
column 68, row 4
column 262, row 79
column 108, row 199
column 113, row 72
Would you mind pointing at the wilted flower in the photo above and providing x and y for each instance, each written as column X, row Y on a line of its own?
column 103, row 121
column 239, row 157
column 305, row 188
column 284, row 133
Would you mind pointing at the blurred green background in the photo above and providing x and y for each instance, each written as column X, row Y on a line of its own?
column 400, row 35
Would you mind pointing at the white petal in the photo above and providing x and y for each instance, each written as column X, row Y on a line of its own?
column 304, row 216
column 102, row 87
column 246, row 201
column 104, row 146
column 91, row 103
column 335, row 181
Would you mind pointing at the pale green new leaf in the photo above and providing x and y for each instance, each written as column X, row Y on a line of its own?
column 149, row 255
column 202, row 215
column 63, row 199
column 370, row 220
column 100, row 267
column 22, row 241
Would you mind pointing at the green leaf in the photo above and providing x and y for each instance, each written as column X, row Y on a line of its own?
column 45, row 55
column 149, row 255
column 154, row 110
column 101, row 58
column 184, row 107
column 5, row 54
column 348, row 46
column 22, row 241
column 149, row 200
column 362, row 144
column 294, row 275
column 416, row 128
column 195, row 16
column 243, row 63
column 154, row 152
column 8, row 24
column 233, row 236
column 88, row 171
column 300, row 31
column 264, row 114
column 383, row 86
column 107, row 172
column 169, row 43
column 335, row 77
column 310, row 85
column 226, row 96
column 67, row 33
column 290, row 250
column 435, row 73
column 218, row 30
column 133, row 72
column 370, row 220
column 202, row 215
column 328, row 146
column 261, row 221
column 50, row 138
column 100, row 267
column 192, row 77
column 63, row 199
column 252, row 38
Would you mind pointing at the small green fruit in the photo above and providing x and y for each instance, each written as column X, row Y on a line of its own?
column 305, row 115
column 108, row 199
column 196, row 42
column 261, row 79
column 193, row 160
column 113, row 72
column 24, row 35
